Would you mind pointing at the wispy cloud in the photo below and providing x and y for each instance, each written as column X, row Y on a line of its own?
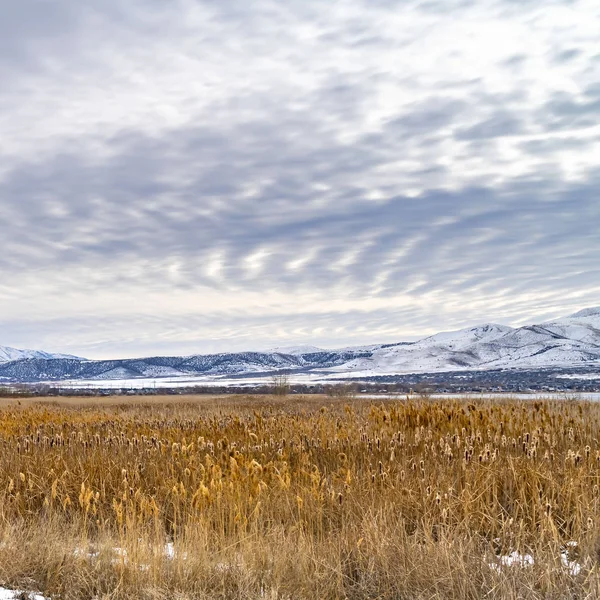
column 218, row 175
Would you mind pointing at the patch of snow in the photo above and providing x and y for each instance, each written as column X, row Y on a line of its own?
column 590, row 376
column 570, row 550
column 572, row 566
column 516, row 559
column 6, row 594
column 120, row 555
column 170, row 550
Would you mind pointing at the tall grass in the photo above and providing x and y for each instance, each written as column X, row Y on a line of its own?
column 255, row 498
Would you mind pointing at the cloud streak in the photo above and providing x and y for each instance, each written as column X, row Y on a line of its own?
column 222, row 176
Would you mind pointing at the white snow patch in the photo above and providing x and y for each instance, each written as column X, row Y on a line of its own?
column 590, row 376
column 6, row 594
column 120, row 555
column 516, row 559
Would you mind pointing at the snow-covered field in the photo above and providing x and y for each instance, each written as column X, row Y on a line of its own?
column 579, row 376
column 184, row 382
column 304, row 378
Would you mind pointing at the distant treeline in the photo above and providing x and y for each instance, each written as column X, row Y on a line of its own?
column 333, row 390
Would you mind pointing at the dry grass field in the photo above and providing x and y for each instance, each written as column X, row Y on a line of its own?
column 299, row 497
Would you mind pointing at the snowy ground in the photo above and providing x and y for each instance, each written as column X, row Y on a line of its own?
column 6, row 594
column 183, row 382
column 580, row 376
column 303, row 378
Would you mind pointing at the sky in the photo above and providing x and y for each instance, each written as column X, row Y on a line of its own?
column 221, row 175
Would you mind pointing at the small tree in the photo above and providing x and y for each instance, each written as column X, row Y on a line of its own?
column 281, row 384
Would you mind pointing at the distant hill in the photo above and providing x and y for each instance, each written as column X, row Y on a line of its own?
column 8, row 354
column 567, row 342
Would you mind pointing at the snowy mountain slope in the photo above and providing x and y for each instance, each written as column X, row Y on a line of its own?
column 465, row 337
column 35, row 369
column 8, row 354
column 443, row 351
column 570, row 341
column 583, row 326
column 566, row 342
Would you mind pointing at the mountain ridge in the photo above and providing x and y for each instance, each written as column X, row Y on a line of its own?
column 8, row 354
column 569, row 341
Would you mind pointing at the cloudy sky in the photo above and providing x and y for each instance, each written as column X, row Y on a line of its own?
column 197, row 176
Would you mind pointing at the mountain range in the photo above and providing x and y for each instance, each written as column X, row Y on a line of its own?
column 567, row 342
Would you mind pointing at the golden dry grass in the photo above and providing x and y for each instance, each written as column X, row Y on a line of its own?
column 298, row 497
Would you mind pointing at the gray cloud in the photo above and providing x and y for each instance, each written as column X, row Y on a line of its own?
column 224, row 175
column 496, row 126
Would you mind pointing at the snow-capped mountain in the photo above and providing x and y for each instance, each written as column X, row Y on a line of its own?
column 567, row 342
column 9, row 354
column 216, row 365
column 465, row 348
